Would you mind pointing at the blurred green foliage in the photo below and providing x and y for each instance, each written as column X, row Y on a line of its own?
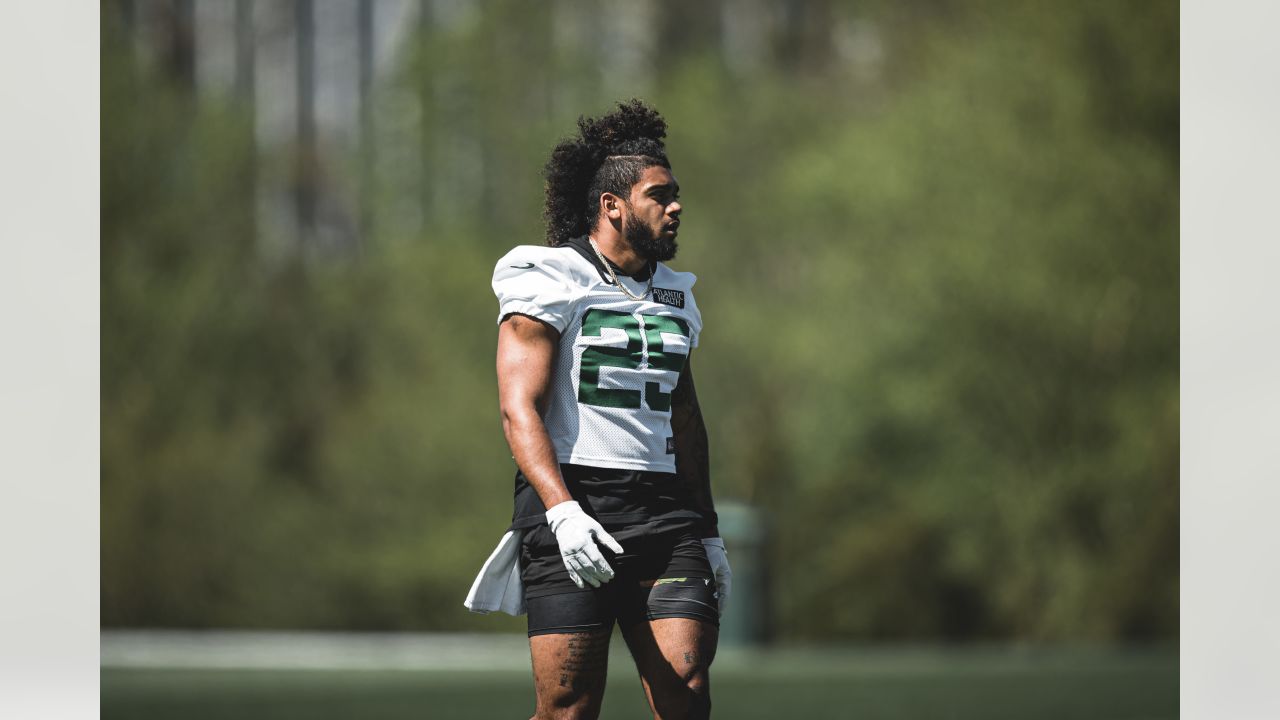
column 941, row 302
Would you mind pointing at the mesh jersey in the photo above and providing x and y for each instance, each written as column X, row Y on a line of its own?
column 609, row 403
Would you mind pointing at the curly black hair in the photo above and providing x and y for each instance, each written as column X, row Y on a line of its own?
column 609, row 154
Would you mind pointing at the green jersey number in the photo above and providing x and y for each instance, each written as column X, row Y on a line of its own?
column 631, row 357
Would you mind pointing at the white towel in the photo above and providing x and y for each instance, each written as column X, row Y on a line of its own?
column 498, row 585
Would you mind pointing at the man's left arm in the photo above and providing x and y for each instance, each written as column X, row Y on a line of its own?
column 693, row 459
column 693, row 467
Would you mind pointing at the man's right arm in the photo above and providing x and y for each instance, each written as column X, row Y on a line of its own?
column 526, row 351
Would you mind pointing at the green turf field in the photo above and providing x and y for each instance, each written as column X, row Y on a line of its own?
column 795, row 684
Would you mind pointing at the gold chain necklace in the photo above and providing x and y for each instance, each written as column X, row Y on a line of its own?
column 609, row 269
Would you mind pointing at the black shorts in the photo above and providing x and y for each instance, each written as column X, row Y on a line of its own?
column 660, row 576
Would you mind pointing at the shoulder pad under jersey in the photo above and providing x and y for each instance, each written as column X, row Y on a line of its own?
column 542, row 282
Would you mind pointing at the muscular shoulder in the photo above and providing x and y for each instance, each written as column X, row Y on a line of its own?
column 542, row 282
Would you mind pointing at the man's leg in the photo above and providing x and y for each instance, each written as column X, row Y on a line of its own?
column 569, row 673
column 674, row 656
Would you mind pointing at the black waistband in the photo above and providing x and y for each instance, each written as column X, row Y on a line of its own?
column 615, row 497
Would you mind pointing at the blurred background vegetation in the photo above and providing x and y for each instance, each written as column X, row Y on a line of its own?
column 937, row 249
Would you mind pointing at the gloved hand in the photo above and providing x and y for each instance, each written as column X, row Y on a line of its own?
column 719, row 560
column 577, row 534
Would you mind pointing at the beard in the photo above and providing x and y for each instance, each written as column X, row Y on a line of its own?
column 648, row 244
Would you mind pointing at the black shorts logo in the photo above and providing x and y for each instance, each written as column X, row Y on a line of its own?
column 671, row 446
column 674, row 298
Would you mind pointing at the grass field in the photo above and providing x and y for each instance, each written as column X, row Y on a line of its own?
column 814, row 683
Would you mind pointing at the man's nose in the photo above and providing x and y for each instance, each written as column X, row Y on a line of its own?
column 674, row 208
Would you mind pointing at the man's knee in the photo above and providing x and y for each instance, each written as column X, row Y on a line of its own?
column 569, row 705
column 699, row 694
column 575, row 697
column 572, row 712
column 687, row 699
column 567, row 714
column 696, row 680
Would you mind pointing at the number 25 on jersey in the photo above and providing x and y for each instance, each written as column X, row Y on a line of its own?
column 632, row 357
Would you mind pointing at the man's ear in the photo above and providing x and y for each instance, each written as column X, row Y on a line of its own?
column 611, row 205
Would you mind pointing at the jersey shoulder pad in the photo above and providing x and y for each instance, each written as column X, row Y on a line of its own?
column 539, row 281
column 674, row 279
column 673, row 287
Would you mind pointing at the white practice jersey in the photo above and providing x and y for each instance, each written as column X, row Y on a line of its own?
column 618, row 361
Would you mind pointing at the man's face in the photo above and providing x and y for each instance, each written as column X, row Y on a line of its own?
column 653, row 215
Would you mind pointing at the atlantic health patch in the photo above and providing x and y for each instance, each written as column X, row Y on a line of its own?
column 674, row 298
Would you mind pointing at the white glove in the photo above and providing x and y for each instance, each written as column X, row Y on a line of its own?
column 577, row 534
column 719, row 560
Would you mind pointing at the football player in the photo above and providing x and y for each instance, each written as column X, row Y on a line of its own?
column 613, row 520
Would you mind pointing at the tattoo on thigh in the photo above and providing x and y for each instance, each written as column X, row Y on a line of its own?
column 584, row 665
column 691, row 657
